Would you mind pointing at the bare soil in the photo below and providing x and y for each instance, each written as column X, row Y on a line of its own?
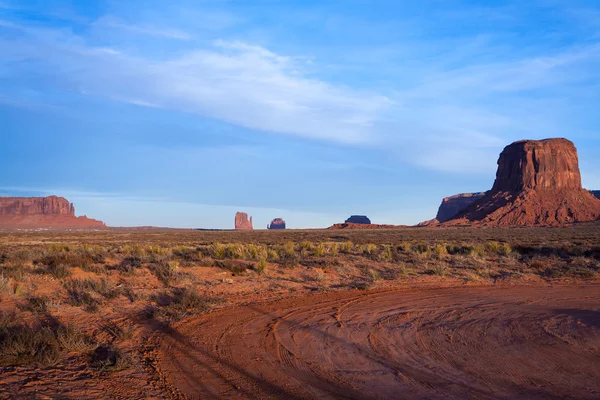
column 537, row 342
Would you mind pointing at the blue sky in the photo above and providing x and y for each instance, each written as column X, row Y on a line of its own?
column 179, row 113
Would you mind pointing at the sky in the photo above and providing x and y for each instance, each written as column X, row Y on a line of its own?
column 181, row 113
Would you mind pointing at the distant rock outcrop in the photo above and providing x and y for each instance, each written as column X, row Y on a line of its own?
column 595, row 193
column 365, row 226
column 242, row 222
column 277, row 223
column 452, row 205
column 358, row 219
column 42, row 212
column 538, row 183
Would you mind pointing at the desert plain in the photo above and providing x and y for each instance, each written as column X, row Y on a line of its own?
column 450, row 312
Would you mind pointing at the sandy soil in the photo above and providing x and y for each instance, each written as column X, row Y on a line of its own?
column 535, row 342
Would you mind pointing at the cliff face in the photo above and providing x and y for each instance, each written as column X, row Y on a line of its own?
column 537, row 183
column 41, row 212
column 452, row 205
column 21, row 206
column 242, row 222
column 538, row 164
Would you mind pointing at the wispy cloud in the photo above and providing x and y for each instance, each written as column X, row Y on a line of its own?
column 235, row 82
column 113, row 22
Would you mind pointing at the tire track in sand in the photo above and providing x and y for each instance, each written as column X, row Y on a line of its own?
column 483, row 343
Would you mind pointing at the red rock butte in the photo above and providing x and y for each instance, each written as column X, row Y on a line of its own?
column 242, row 222
column 42, row 212
column 538, row 183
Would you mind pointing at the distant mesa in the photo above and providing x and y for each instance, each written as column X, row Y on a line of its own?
column 42, row 212
column 358, row 219
column 537, row 183
column 595, row 193
column 277, row 223
column 242, row 222
column 347, row 225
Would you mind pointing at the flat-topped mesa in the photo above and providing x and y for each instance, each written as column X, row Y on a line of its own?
column 242, row 222
column 452, row 205
column 358, row 219
column 22, row 206
column 538, row 164
column 42, row 212
column 595, row 193
column 277, row 223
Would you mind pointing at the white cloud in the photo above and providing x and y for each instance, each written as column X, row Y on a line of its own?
column 235, row 82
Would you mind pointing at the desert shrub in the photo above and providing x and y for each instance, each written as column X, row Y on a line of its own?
column 108, row 358
column 82, row 298
column 235, row 251
column 319, row 250
column 286, row 250
column 272, row 255
column 180, row 302
column 505, row 249
column 22, row 345
column 289, row 261
column 58, row 248
column 440, row 250
column 374, row 275
column 346, row 247
column 404, row 247
column 129, row 264
column 369, row 249
column 387, row 253
column 103, row 287
column 16, row 272
column 438, row 269
column 256, row 252
column 261, row 266
column 421, row 248
column 166, row 272
column 235, row 266
column 5, row 285
column 41, row 344
column 131, row 250
column 218, row 251
column 156, row 250
column 71, row 338
column 35, row 304
column 73, row 260
column 187, row 254
column 334, row 249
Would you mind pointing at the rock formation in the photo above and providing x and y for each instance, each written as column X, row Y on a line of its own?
column 242, row 222
column 538, row 183
column 358, row 219
column 277, row 223
column 41, row 212
column 595, row 193
column 365, row 226
column 452, row 205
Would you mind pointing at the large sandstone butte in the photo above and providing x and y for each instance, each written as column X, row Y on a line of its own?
column 277, row 223
column 242, row 222
column 538, row 183
column 42, row 212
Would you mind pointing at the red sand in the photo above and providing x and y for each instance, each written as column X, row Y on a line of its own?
column 457, row 343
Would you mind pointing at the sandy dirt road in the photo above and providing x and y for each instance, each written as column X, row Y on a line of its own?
column 524, row 342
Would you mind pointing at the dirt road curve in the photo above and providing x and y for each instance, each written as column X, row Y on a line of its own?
column 460, row 343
